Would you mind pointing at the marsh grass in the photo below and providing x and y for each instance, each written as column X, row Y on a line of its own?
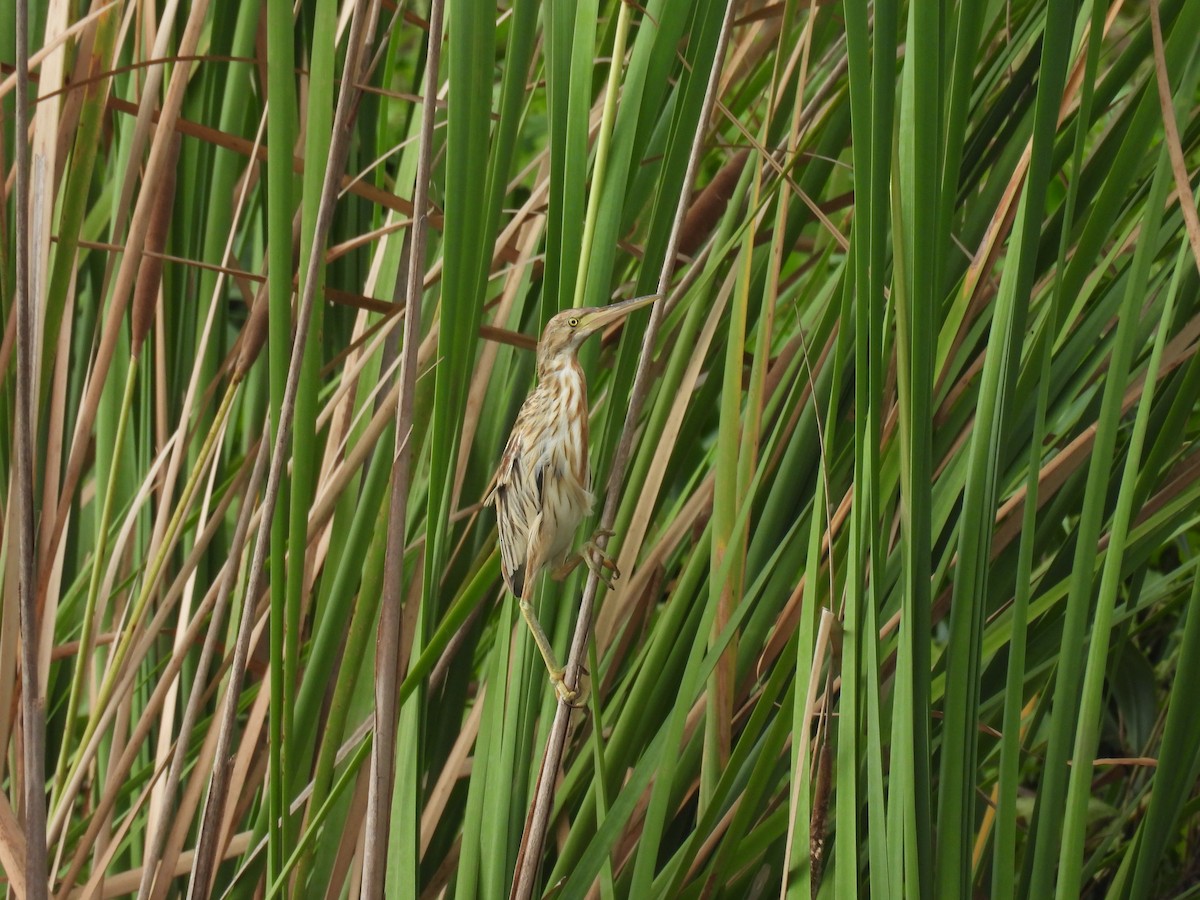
column 908, row 526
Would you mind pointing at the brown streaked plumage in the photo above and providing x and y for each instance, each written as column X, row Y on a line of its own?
column 542, row 488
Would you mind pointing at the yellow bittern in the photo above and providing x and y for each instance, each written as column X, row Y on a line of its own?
column 542, row 489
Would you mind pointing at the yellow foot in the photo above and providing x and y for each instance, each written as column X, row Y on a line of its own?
column 600, row 563
column 573, row 698
column 594, row 558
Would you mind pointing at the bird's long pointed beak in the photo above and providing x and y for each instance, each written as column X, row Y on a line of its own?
column 596, row 319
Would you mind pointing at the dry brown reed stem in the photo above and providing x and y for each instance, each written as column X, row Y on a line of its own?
column 118, row 768
column 204, row 863
column 534, row 839
column 33, row 705
column 12, row 848
column 199, row 690
column 387, row 655
column 149, row 280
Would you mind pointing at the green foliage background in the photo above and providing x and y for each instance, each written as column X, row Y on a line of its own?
column 909, row 533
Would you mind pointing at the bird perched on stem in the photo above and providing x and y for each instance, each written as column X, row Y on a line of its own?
column 542, row 489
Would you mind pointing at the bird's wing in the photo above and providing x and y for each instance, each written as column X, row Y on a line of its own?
column 517, row 496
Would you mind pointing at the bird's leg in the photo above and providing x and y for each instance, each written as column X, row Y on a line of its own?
column 567, row 695
column 596, row 560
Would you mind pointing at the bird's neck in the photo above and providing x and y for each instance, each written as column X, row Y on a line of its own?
column 564, row 389
column 563, row 366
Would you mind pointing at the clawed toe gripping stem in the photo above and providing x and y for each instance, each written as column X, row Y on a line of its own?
column 600, row 563
column 574, row 698
column 595, row 558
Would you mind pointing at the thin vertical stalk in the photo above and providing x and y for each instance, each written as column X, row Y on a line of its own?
column 917, row 296
column 205, row 861
column 869, row 112
column 339, row 146
column 33, row 710
column 387, row 661
column 281, row 135
column 295, row 756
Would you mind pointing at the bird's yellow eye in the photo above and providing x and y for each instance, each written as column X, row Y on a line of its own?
column 572, row 321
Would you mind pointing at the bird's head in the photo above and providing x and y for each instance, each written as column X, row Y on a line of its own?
column 570, row 328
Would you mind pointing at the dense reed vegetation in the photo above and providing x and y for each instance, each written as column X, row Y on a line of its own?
column 908, row 523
